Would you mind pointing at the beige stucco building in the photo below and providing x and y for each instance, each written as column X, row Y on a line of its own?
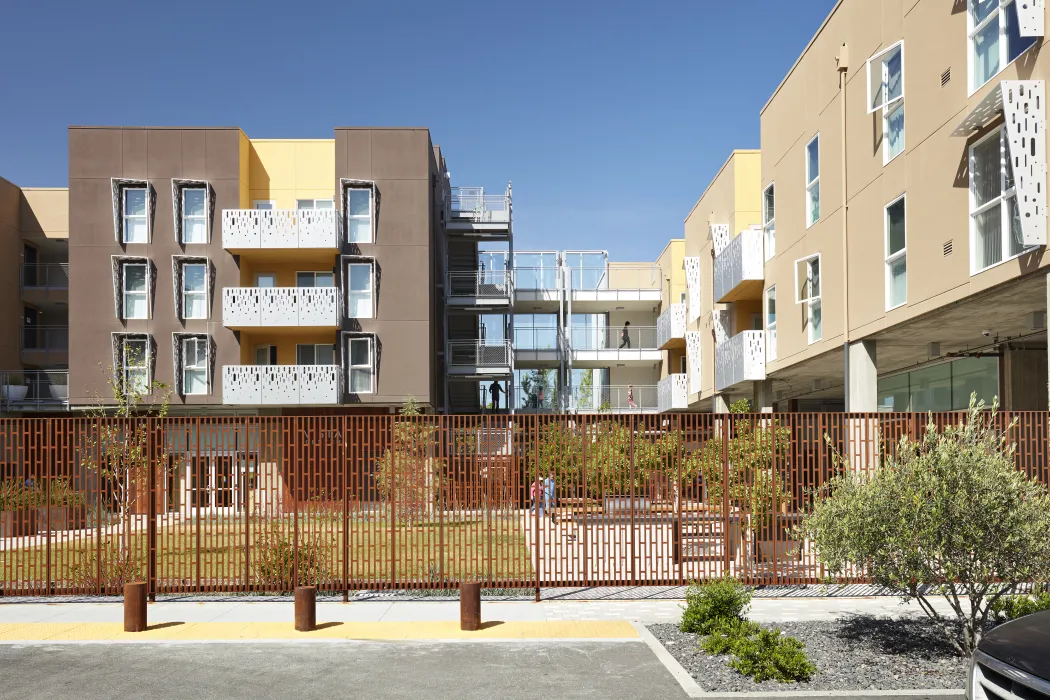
column 898, row 220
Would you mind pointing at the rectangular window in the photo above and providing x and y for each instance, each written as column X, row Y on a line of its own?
column 896, row 257
column 195, row 290
column 314, row 204
column 314, row 354
column 359, row 214
column 813, row 181
column 314, row 279
column 681, row 298
column 769, row 225
column 265, row 279
column 995, row 39
column 886, row 93
column 265, row 355
column 359, row 290
column 135, row 362
column 267, row 204
column 195, row 366
column 995, row 221
column 360, row 368
column 771, row 308
column 807, row 285
column 194, row 215
column 136, row 218
column 682, row 364
column 136, row 290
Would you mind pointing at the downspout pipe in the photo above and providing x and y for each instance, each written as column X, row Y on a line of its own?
column 842, row 63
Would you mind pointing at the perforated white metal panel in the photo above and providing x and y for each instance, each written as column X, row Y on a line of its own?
column 242, row 384
column 693, row 342
column 278, row 306
column 721, row 322
column 720, row 237
column 241, row 306
column 319, row 384
column 277, row 228
column 319, row 306
column 1024, row 108
column 317, row 228
column 1031, row 16
column 692, row 281
column 240, row 228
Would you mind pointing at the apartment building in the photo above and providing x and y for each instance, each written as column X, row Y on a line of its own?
column 262, row 275
column 898, row 260
column 34, row 297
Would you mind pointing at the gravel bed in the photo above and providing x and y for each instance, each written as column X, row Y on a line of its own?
column 860, row 652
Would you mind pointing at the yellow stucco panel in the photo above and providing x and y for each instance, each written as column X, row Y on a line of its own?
column 284, row 170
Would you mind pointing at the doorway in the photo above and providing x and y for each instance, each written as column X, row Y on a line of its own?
column 218, row 482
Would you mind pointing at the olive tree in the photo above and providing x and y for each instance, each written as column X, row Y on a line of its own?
column 946, row 515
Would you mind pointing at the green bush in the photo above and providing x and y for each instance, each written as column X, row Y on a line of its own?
column 1012, row 607
column 770, row 656
column 709, row 603
column 724, row 636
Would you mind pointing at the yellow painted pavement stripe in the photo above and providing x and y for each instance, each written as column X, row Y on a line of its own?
column 218, row 631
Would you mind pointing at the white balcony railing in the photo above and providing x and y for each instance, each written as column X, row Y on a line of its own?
column 671, row 325
column 607, row 398
column 473, row 205
column 608, row 338
column 279, row 228
column 673, row 393
column 479, row 353
column 739, row 263
column 742, row 358
column 280, row 385
column 271, row 307
column 485, row 284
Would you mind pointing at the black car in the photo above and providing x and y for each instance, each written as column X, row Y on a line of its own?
column 1013, row 661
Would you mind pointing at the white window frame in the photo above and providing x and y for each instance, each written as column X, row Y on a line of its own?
column 124, row 293
column 371, row 366
column 267, row 204
column 186, row 293
column 267, row 348
column 260, row 275
column 973, row 29
column 335, row 354
column 126, row 368
column 892, row 258
column 196, row 341
column 300, row 204
column 769, row 227
column 811, row 301
column 812, row 183
column 371, row 288
column 892, row 106
column 1002, row 201
column 125, row 217
column 771, row 293
column 195, row 217
column 359, row 217
column 315, row 273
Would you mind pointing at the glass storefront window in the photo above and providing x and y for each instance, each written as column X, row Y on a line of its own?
column 942, row 387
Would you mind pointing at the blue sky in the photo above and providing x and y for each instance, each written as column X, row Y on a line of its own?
column 609, row 117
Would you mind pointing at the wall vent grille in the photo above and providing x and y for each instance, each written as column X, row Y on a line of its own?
column 948, row 248
column 946, row 77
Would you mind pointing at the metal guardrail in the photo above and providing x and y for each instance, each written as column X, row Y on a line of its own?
column 44, row 338
column 609, row 338
column 673, row 393
column 534, row 278
column 43, row 276
column 489, row 284
column 536, row 400
column 671, row 324
column 607, row 398
column 34, row 390
column 740, row 261
column 535, row 338
column 281, row 228
column 472, row 204
column 741, row 358
column 479, row 353
column 616, row 277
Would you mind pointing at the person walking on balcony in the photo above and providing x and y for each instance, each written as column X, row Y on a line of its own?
column 630, row 397
column 625, row 336
column 494, row 392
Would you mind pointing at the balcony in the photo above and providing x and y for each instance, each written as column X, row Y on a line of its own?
column 280, row 307
column 594, row 346
column 470, row 211
column 738, row 268
column 532, row 399
column 34, row 390
column 245, row 230
column 281, row 385
column 479, row 358
column 482, row 289
column 537, row 289
column 536, row 346
column 670, row 327
column 673, row 393
column 742, row 358
column 44, row 284
column 613, row 399
column 626, row 287
column 44, row 345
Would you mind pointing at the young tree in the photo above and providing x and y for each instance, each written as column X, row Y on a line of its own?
column 120, row 450
column 409, row 474
column 948, row 514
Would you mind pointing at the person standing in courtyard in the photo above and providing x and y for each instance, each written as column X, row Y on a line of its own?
column 548, row 494
column 536, row 492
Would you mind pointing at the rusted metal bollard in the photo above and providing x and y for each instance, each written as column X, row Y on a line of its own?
column 305, row 609
column 135, row 607
column 470, row 606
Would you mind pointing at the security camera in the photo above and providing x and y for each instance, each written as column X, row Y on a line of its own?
column 986, row 333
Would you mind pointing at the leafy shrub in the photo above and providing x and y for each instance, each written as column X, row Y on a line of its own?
column 724, row 635
column 16, row 495
column 950, row 510
column 1012, row 607
column 719, row 601
column 274, row 560
column 770, row 656
column 112, row 570
column 63, row 494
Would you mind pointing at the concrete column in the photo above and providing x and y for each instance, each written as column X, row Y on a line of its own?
column 763, row 396
column 719, row 404
column 863, row 390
